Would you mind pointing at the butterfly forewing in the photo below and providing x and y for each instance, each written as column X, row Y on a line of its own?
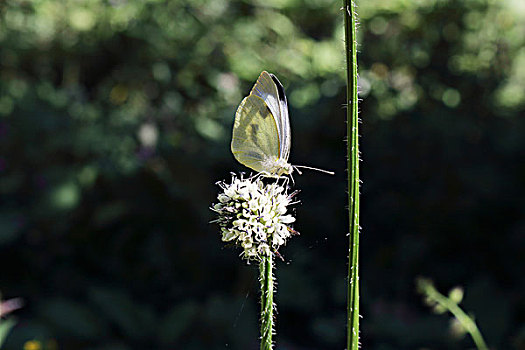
column 285, row 134
column 271, row 91
column 255, row 134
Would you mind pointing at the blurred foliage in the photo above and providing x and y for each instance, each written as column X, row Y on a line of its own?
column 462, row 323
column 5, row 328
column 115, row 121
column 7, row 323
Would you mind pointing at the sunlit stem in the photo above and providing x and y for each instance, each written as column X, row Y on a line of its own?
column 267, row 283
column 353, row 176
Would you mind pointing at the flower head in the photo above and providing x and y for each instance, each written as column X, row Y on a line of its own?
column 253, row 215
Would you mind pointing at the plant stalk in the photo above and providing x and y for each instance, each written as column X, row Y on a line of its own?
column 427, row 288
column 267, row 283
column 353, row 175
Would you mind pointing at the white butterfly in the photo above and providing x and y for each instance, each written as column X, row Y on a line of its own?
column 261, row 137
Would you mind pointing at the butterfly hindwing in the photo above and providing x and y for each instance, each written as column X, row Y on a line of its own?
column 255, row 134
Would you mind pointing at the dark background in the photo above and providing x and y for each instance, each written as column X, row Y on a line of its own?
column 115, row 124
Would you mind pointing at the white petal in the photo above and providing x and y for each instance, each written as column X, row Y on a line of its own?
column 287, row 219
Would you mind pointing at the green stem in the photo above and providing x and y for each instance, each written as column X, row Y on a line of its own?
column 267, row 281
column 353, row 176
column 427, row 288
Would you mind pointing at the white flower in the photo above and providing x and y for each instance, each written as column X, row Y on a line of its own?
column 253, row 215
column 287, row 219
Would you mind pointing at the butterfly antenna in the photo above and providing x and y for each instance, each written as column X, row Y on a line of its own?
column 311, row 168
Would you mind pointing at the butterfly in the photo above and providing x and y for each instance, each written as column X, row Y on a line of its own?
column 261, row 137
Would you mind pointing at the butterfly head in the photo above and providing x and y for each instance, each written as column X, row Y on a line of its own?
column 286, row 169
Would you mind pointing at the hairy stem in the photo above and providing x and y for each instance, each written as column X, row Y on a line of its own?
column 267, row 282
column 353, row 176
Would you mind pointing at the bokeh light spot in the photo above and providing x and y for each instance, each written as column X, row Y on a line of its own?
column 304, row 96
column 65, row 196
column 378, row 25
column 82, row 19
column 161, row 72
column 451, row 97
column 118, row 94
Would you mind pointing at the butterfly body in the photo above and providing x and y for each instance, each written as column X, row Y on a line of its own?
column 277, row 167
column 261, row 137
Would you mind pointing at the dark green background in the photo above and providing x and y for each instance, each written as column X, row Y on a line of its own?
column 115, row 124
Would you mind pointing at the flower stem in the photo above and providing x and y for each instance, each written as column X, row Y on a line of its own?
column 426, row 287
column 353, row 176
column 267, row 282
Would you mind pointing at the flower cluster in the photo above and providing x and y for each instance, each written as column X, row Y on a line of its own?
column 253, row 215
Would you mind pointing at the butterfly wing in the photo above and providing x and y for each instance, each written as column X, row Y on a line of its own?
column 270, row 89
column 285, row 130
column 255, row 135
